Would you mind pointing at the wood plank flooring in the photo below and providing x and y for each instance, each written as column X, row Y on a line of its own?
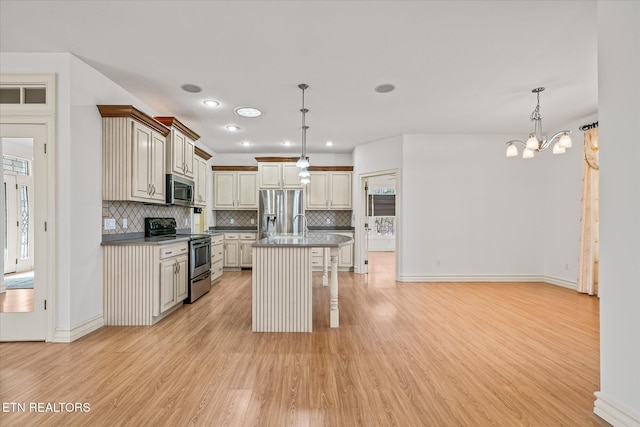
column 406, row 354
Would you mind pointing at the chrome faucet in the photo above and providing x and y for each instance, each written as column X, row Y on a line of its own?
column 305, row 228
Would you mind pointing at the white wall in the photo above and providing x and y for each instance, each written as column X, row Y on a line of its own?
column 78, row 179
column 619, row 109
column 471, row 208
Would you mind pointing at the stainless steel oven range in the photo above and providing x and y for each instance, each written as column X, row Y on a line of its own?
column 199, row 254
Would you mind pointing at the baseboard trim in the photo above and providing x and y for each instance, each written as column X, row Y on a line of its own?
column 612, row 412
column 84, row 328
column 486, row 278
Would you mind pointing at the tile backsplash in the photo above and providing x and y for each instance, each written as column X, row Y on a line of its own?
column 136, row 212
column 240, row 218
column 314, row 218
column 336, row 218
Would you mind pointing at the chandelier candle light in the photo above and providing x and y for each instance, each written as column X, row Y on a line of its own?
column 537, row 140
column 302, row 162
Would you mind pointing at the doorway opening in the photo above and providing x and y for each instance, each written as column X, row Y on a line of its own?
column 379, row 230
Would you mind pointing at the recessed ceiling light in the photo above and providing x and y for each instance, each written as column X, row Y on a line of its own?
column 211, row 103
column 246, row 143
column 287, row 143
column 384, row 88
column 328, row 143
column 232, row 128
column 248, row 112
column 191, row 88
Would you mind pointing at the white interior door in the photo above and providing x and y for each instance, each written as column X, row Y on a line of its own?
column 366, row 226
column 27, row 141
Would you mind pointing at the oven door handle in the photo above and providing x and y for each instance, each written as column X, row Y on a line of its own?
column 201, row 244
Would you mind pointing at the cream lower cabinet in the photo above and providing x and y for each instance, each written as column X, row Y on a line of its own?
column 237, row 249
column 143, row 283
column 320, row 258
column 235, row 190
column 328, row 191
column 217, row 256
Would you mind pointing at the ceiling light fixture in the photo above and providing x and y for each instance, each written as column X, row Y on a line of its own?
column 328, row 143
column 246, row 143
column 248, row 112
column 287, row 143
column 211, row 103
column 232, row 128
column 191, row 88
column 384, row 88
column 537, row 140
column 302, row 162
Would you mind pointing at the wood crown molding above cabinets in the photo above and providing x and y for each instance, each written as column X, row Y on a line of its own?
column 132, row 112
column 277, row 159
column 172, row 121
column 200, row 152
column 330, row 168
column 235, row 168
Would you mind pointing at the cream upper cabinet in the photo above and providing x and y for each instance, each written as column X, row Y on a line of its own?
column 235, row 189
column 329, row 190
column 279, row 175
column 180, row 148
column 200, row 180
column 133, row 155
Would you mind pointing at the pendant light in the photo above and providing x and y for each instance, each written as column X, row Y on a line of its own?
column 537, row 140
column 302, row 162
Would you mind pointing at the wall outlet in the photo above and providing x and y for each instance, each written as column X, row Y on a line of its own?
column 328, row 220
column 253, row 221
column 566, row 266
column 186, row 221
column 232, row 221
column 109, row 224
column 437, row 262
column 125, row 223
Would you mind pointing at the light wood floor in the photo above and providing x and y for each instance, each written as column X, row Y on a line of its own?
column 406, row 354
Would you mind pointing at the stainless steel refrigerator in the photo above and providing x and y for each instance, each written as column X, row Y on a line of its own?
column 277, row 212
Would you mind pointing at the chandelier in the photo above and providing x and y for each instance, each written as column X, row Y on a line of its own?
column 303, row 162
column 537, row 140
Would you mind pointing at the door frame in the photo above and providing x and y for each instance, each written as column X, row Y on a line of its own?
column 43, row 114
column 360, row 248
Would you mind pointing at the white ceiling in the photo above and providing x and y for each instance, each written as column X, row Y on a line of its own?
column 458, row 66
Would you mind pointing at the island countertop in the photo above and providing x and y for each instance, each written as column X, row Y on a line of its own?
column 311, row 240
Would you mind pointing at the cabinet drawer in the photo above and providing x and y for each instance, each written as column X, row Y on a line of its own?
column 317, row 252
column 216, row 253
column 173, row 250
column 248, row 236
column 216, row 270
column 317, row 261
column 215, row 240
column 231, row 236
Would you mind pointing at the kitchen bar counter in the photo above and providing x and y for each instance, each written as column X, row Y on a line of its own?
column 281, row 282
column 145, row 241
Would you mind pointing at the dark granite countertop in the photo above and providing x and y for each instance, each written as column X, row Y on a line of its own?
column 234, row 228
column 312, row 240
column 331, row 228
column 144, row 241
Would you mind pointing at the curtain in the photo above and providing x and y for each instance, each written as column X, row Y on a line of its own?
column 588, row 259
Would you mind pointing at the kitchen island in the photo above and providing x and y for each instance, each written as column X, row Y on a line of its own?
column 281, row 283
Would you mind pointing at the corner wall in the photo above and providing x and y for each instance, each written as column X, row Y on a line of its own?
column 618, row 400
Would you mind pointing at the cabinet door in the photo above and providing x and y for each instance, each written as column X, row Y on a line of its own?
column 189, row 158
column 246, row 253
column 177, row 152
column 200, row 181
column 231, row 253
column 290, row 177
column 345, row 255
column 269, row 175
column 247, row 190
column 182, row 278
column 157, row 162
column 224, row 190
column 167, row 284
column 340, row 184
column 140, row 174
column 317, row 191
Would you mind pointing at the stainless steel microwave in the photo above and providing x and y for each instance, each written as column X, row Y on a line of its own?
column 179, row 190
